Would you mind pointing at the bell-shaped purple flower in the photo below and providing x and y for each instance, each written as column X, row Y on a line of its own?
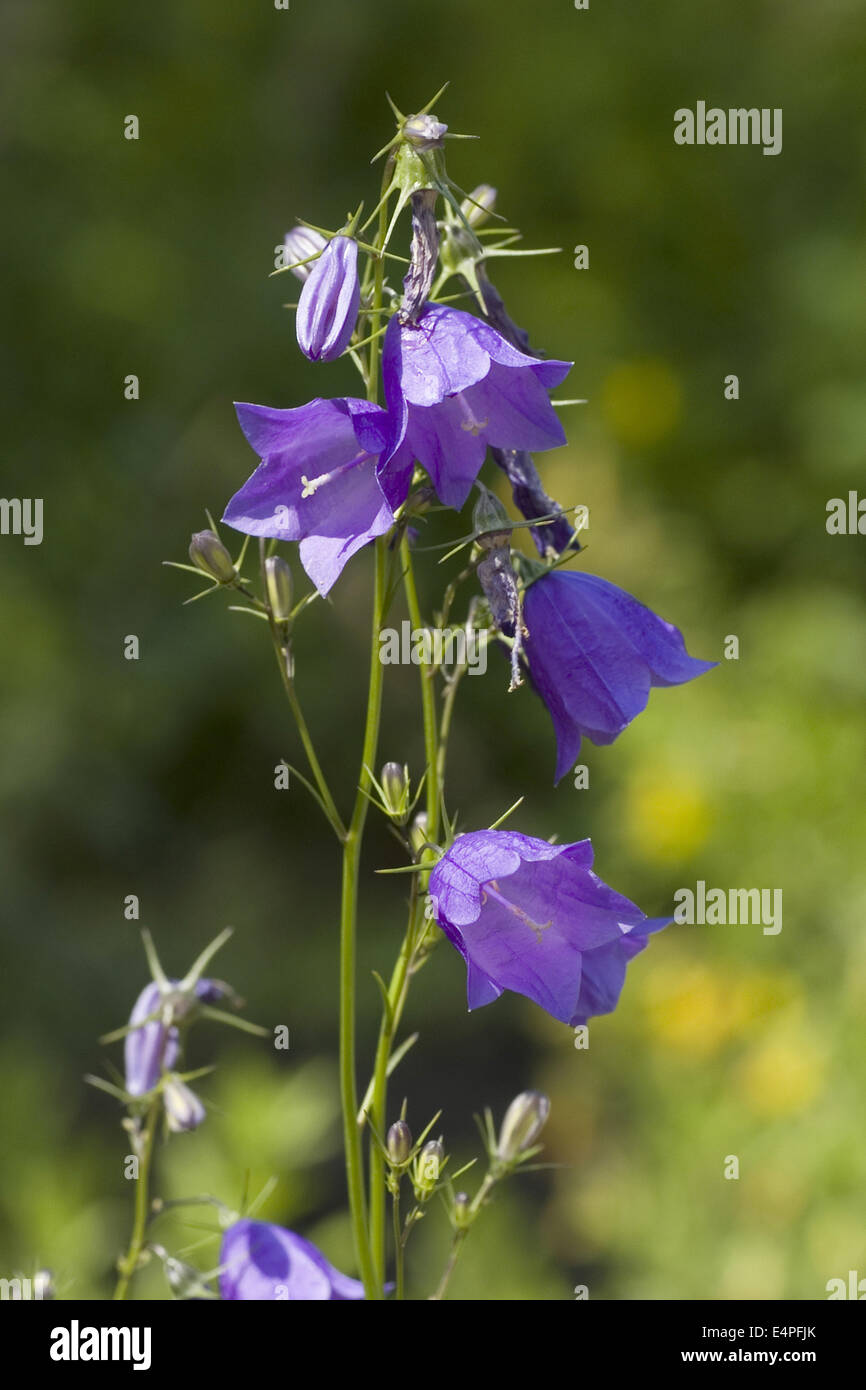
column 453, row 386
column 328, row 306
column 149, row 1049
column 154, row 1047
column 594, row 653
column 260, row 1261
column 533, row 918
column 317, row 481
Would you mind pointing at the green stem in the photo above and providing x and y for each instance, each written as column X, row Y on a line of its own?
column 283, row 655
column 445, row 723
column 348, row 932
column 315, row 766
column 398, row 1246
column 428, row 701
column 371, row 1272
column 129, row 1263
column 397, row 991
column 378, row 287
column 460, row 1238
column 399, row 983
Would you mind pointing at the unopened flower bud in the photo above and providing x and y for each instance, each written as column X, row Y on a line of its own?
column 428, row 1166
column 207, row 551
column 524, row 1120
column 329, row 302
column 183, row 1109
column 394, row 780
column 278, row 579
column 424, row 132
column 418, row 832
column 479, row 205
column 461, row 1211
column 301, row 244
column 184, row 1280
column 399, row 1142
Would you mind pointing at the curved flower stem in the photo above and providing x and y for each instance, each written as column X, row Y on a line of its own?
column 348, row 931
column 315, row 767
column 460, row 1238
column 448, row 699
column 129, row 1263
column 283, row 655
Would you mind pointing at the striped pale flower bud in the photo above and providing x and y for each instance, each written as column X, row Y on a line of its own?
column 394, row 781
column 524, row 1120
column 428, row 1167
column 301, row 244
column 329, row 302
column 278, row 578
column 399, row 1142
column 207, row 551
column 183, row 1109
column 479, row 205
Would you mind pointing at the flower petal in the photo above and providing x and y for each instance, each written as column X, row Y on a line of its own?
column 261, row 1261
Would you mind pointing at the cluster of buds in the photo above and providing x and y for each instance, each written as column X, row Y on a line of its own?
column 423, row 1160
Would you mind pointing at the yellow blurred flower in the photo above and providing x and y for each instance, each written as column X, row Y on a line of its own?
column 667, row 816
column 688, row 1009
column 695, row 1008
column 784, row 1074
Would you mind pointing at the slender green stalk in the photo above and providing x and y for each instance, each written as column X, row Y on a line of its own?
column 445, row 723
column 391, row 1015
column 348, row 932
column 372, row 380
column 399, row 1260
column 428, row 700
column 129, row 1263
column 399, row 983
column 460, row 1238
column 328, row 804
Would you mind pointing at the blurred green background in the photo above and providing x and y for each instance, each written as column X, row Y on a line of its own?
column 156, row 777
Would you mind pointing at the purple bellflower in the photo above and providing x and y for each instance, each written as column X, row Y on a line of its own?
column 154, row 1047
column 329, row 302
column 533, row 918
column 594, row 653
column 317, row 481
column 260, row 1261
column 453, row 386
